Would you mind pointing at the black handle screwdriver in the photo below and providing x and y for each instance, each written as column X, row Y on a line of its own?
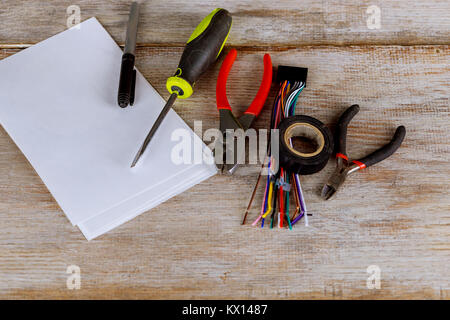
column 201, row 51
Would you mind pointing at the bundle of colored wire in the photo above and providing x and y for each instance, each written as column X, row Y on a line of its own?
column 279, row 184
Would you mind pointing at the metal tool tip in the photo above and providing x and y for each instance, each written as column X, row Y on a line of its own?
column 136, row 159
column 229, row 168
column 245, row 218
column 328, row 191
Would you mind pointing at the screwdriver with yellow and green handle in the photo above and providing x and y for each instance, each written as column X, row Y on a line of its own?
column 201, row 51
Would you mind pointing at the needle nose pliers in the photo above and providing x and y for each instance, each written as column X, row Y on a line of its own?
column 345, row 167
column 227, row 119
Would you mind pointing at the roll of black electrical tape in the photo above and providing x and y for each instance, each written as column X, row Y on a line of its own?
column 310, row 128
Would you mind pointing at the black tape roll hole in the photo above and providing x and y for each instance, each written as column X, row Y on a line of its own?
column 304, row 139
column 298, row 159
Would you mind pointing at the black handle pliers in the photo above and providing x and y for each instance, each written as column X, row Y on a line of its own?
column 345, row 167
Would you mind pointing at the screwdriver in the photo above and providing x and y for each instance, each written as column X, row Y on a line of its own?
column 201, row 51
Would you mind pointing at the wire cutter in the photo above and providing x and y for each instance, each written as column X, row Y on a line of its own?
column 227, row 120
column 344, row 168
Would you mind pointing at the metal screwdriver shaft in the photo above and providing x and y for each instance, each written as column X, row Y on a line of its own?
column 201, row 51
column 155, row 127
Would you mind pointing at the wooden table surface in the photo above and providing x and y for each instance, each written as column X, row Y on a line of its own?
column 395, row 215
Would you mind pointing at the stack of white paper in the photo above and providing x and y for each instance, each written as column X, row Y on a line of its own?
column 58, row 102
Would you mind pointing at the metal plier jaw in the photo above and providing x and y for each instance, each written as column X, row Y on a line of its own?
column 228, row 122
column 344, row 167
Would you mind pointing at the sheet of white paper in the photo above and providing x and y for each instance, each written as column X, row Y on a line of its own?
column 58, row 103
column 108, row 221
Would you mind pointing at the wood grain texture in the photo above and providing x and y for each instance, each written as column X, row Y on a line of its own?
column 255, row 22
column 394, row 215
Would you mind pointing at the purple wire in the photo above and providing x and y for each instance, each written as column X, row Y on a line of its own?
column 300, row 193
column 301, row 200
column 297, row 218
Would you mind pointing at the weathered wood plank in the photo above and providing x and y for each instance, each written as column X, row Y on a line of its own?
column 256, row 23
column 394, row 215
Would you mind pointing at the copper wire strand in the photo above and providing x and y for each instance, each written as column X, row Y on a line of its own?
column 297, row 201
column 280, row 102
column 282, row 97
column 253, row 195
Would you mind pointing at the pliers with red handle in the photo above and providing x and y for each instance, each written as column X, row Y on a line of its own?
column 345, row 167
column 227, row 120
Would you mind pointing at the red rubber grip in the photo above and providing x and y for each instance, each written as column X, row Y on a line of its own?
column 258, row 103
column 359, row 164
column 340, row 155
column 221, row 87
